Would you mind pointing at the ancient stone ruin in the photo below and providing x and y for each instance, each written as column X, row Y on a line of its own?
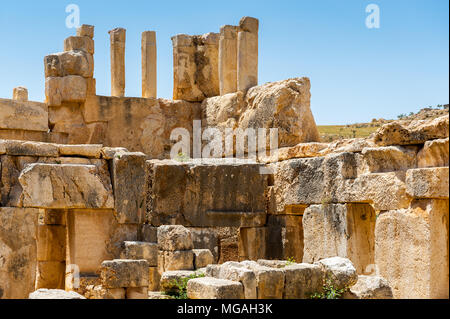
column 93, row 203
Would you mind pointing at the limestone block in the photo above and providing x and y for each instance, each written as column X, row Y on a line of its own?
column 416, row 132
column 117, row 44
column 411, row 250
column 213, row 288
column 54, row 294
column 69, row 63
column 141, row 250
column 18, row 233
column 50, row 274
column 158, row 295
column 301, row 150
column 86, row 30
column 206, row 238
column 26, row 148
column 52, row 217
column 149, row 64
column 119, row 273
column 23, row 115
column 99, row 292
column 128, row 175
column 252, row 243
column 71, row 88
column 247, row 60
column 228, row 59
column 427, row 182
column 434, row 153
column 170, row 279
column 178, row 260
column 339, row 270
column 137, row 293
column 302, row 280
column 65, row 186
column 270, row 281
column 273, row 263
column 82, row 43
column 85, row 150
column 388, row 159
column 345, row 230
column 202, row 258
column 20, row 94
column 371, row 287
column 149, row 233
column 249, row 24
column 236, row 272
column 174, row 237
column 154, row 279
column 177, row 193
column 111, row 152
column 95, row 236
column 51, row 243
column 284, row 237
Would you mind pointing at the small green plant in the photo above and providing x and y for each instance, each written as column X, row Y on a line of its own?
column 290, row 261
column 179, row 290
column 329, row 290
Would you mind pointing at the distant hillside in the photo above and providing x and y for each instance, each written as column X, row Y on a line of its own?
column 329, row 133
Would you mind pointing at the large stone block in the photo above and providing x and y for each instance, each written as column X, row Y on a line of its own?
column 302, row 280
column 170, row 279
column 69, row 63
column 54, row 294
column 23, row 115
column 50, row 274
column 252, row 243
column 236, row 272
column 213, row 288
column 51, row 243
column 371, row 287
column 270, row 281
column 427, row 182
column 340, row 271
column 202, row 258
column 71, row 88
column 65, row 186
column 83, row 43
column 388, row 159
column 434, row 153
column 174, row 237
column 141, row 250
column 345, row 230
column 137, row 293
column 176, row 260
column 18, row 259
column 204, row 194
column 128, row 176
column 119, row 273
column 285, row 237
column 411, row 249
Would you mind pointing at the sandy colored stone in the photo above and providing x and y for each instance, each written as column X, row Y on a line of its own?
column 23, row 115
column 52, row 217
column 20, row 93
column 91, row 151
column 340, row 271
column 284, row 237
column 252, row 243
column 236, row 272
column 149, row 233
column 99, row 292
column 137, row 293
column 18, row 234
column 213, row 288
column 371, row 287
column 117, row 47
column 65, row 186
column 416, row 132
column 411, row 250
column 345, row 230
column 154, row 279
column 119, row 273
column 388, row 159
column 428, row 182
column 247, row 60
column 270, row 281
column 86, row 30
column 69, row 63
column 228, row 59
column 178, row 260
column 82, row 43
column 174, row 237
column 51, row 243
column 149, row 69
column 26, row 148
column 170, row 279
column 202, row 258
column 141, row 250
column 301, row 150
column 302, row 280
column 434, row 153
column 111, row 152
column 71, row 88
column 54, row 294
column 50, row 274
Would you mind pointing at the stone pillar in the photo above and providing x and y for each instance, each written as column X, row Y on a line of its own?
column 247, row 61
column 20, row 94
column 228, row 59
column 148, row 49
column 117, row 40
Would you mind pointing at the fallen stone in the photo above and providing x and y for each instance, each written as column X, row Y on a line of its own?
column 302, row 281
column 170, row 280
column 202, row 258
column 371, row 287
column 213, row 288
column 174, row 237
column 54, row 294
column 270, row 281
column 121, row 273
column 237, row 272
column 340, row 271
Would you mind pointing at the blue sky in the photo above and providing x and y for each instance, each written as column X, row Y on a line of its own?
column 356, row 73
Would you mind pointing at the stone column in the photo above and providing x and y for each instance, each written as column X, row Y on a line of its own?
column 117, row 40
column 247, row 69
column 148, row 50
column 228, row 59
